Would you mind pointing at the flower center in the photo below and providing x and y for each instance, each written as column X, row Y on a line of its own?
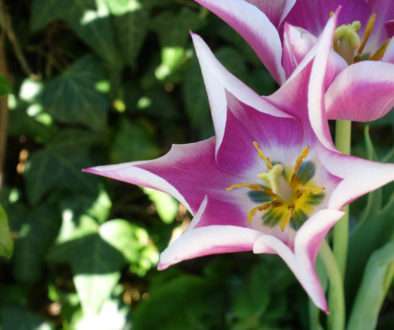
column 284, row 195
column 349, row 44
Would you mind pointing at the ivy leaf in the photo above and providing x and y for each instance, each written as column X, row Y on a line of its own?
column 130, row 20
column 73, row 97
column 36, row 230
column 134, row 141
column 90, row 20
column 6, row 242
column 97, row 254
column 19, row 318
column 59, row 165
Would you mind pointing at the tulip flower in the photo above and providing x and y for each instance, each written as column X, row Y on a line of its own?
column 282, row 32
column 270, row 180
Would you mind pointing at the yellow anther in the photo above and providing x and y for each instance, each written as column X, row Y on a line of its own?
column 297, row 165
column 378, row 55
column 315, row 190
column 261, row 154
column 251, row 186
column 286, row 219
column 260, row 208
column 367, row 33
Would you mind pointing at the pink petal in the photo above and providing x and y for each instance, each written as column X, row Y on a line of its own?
column 198, row 241
column 317, row 115
column 312, row 15
column 187, row 172
column 297, row 42
column 384, row 10
column 302, row 261
column 362, row 92
column 276, row 10
column 222, row 87
column 359, row 176
column 254, row 26
column 389, row 53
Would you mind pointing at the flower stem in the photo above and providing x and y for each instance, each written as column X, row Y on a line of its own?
column 341, row 230
column 336, row 318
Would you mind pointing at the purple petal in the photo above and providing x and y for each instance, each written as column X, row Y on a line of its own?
column 312, row 15
column 302, row 259
column 362, row 92
column 316, row 110
column 359, row 176
column 384, row 10
column 187, row 172
column 389, row 53
column 223, row 88
column 276, row 10
column 297, row 42
column 254, row 26
column 198, row 241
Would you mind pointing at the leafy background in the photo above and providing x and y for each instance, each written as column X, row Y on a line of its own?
column 104, row 81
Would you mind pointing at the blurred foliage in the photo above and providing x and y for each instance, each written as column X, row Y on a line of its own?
column 113, row 81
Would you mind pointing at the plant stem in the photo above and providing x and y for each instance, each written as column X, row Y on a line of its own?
column 336, row 318
column 3, row 112
column 341, row 230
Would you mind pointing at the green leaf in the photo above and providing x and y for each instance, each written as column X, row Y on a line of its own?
column 18, row 318
column 133, row 242
column 96, row 267
column 165, row 205
column 131, row 25
column 35, row 230
column 172, row 28
column 6, row 242
column 134, row 141
column 90, row 20
column 73, row 97
column 376, row 281
column 196, row 101
column 98, row 253
column 59, row 165
column 5, row 87
column 162, row 309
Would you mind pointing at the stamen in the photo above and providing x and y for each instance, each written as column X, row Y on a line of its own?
column 378, row 55
column 262, row 207
column 300, row 159
column 367, row 33
column 261, row 154
column 286, row 219
column 311, row 189
column 251, row 186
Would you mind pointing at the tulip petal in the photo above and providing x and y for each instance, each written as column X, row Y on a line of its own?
column 316, row 110
column 359, row 176
column 255, row 27
column 186, row 172
column 362, row 92
column 384, row 10
column 198, row 241
column 222, row 87
column 297, row 42
column 302, row 261
column 389, row 53
column 312, row 15
column 276, row 10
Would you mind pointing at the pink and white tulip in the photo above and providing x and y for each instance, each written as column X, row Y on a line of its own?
column 282, row 32
column 270, row 181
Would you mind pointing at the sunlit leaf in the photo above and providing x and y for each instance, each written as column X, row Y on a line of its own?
column 166, row 206
column 73, row 96
column 6, row 242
